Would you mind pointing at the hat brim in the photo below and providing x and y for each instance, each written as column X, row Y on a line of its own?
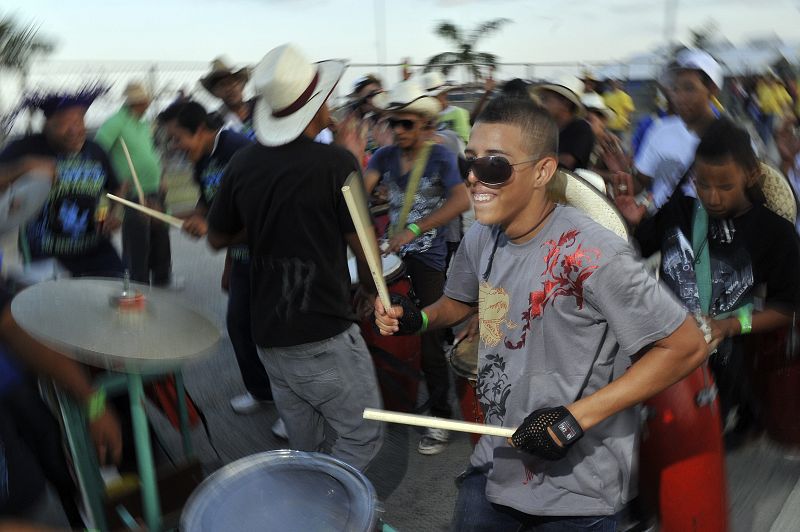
column 213, row 78
column 272, row 131
column 424, row 105
column 564, row 92
column 441, row 89
column 608, row 113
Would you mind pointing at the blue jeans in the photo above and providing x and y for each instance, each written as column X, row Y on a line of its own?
column 474, row 513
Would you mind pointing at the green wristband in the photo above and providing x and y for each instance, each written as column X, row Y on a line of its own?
column 424, row 322
column 96, row 405
column 745, row 321
column 414, row 228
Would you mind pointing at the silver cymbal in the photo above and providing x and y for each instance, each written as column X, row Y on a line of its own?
column 76, row 316
column 23, row 200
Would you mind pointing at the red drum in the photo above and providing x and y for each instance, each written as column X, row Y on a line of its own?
column 464, row 358
column 681, row 460
column 775, row 359
column 397, row 359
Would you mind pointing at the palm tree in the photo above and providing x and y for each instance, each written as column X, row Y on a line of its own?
column 465, row 42
column 19, row 45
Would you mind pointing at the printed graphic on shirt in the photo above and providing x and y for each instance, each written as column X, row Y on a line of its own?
column 430, row 196
column 211, row 180
column 567, row 266
column 493, row 389
column 67, row 224
column 493, row 305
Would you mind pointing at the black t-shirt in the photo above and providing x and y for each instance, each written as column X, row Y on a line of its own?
column 289, row 200
column 758, row 247
column 208, row 170
column 577, row 140
column 66, row 225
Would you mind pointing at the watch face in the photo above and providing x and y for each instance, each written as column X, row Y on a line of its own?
column 567, row 429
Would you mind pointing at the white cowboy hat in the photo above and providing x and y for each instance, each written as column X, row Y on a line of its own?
column 409, row 97
column 594, row 102
column 136, row 93
column 588, row 196
column 570, row 94
column 434, row 83
column 290, row 91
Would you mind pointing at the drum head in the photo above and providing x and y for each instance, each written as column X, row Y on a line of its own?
column 23, row 200
column 392, row 266
column 283, row 491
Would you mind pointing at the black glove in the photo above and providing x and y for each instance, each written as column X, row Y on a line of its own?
column 532, row 435
column 411, row 321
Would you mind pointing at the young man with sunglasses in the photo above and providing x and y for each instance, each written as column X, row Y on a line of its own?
column 563, row 307
column 425, row 188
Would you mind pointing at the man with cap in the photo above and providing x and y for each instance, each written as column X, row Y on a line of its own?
column 228, row 84
column 426, row 192
column 145, row 242
column 668, row 148
column 283, row 197
column 575, row 137
column 451, row 116
column 71, row 226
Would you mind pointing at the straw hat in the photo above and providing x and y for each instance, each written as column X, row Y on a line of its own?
column 409, row 97
column 778, row 193
column 572, row 95
column 290, row 91
column 135, row 93
column 571, row 189
column 221, row 68
column 434, row 83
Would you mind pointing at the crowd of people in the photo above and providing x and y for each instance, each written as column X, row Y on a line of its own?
column 574, row 329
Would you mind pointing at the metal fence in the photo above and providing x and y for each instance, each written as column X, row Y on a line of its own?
column 166, row 78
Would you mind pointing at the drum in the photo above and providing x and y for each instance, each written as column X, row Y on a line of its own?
column 397, row 359
column 681, row 460
column 775, row 359
column 283, row 491
column 463, row 357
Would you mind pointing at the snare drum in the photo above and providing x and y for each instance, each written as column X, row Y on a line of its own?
column 283, row 491
column 681, row 457
column 463, row 357
column 397, row 359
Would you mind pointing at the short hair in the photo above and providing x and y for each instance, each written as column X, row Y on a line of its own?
column 724, row 140
column 193, row 115
column 538, row 129
column 170, row 113
column 515, row 88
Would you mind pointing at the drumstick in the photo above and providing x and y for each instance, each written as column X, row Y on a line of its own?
column 437, row 423
column 356, row 199
column 136, row 182
column 166, row 218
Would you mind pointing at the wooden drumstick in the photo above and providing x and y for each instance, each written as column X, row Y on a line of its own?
column 166, row 218
column 437, row 423
column 136, row 182
column 356, row 199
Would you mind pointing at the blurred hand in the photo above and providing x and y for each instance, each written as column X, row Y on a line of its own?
column 387, row 320
column 45, row 165
column 469, row 332
column 196, row 226
column 107, row 437
column 351, row 134
column 399, row 240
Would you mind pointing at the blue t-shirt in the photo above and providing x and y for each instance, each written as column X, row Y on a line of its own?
column 208, row 175
column 66, row 225
column 440, row 175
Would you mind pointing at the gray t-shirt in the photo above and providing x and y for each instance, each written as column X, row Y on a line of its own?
column 560, row 317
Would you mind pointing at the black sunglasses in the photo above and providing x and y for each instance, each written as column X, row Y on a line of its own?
column 493, row 170
column 405, row 124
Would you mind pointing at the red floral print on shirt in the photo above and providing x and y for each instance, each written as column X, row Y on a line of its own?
column 567, row 266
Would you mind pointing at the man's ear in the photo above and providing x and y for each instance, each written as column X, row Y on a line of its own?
column 545, row 170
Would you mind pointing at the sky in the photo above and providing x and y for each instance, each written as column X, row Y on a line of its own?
column 540, row 31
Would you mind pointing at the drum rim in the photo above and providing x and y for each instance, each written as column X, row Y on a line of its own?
column 205, row 494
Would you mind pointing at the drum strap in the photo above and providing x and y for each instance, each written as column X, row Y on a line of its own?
column 411, row 189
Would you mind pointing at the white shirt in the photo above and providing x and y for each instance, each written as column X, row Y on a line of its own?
column 667, row 153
